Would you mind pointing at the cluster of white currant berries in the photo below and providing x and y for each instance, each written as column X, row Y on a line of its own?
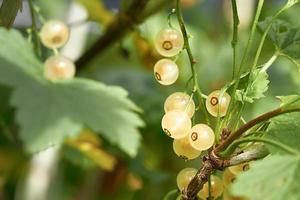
column 189, row 141
column 54, row 34
column 218, row 186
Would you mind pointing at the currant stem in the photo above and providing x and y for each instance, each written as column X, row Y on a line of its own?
column 36, row 38
column 277, row 144
column 191, row 58
column 234, row 41
column 238, row 133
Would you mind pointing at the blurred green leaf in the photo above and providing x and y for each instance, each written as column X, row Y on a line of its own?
column 8, row 12
column 285, row 37
column 256, row 89
column 50, row 111
column 286, row 128
column 273, row 178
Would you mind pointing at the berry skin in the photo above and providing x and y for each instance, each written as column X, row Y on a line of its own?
column 176, row 124
column 201, row 137
column 228, row 178
column 183, row 149
column 166, row 71
column 184, row 177
column 169, row 42
column 216, row 188
column 59, row 67
column 215, row 103
column 54, row 34
column 237, row 169
column 180, row 101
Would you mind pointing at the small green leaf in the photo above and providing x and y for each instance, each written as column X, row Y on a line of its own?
column 257, row 88
column 273, row 178
column 8, row 12
column 284, row 36
column 48, row 112
column 286, row 128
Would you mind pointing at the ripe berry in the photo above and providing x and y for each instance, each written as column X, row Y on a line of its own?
column 217, row 105
column 180, row 101
column 184, row 177
column 59, row 67
column 54, row 34
column 201, row 137
column 169, row 42
column 228, row 178
column 237, row 169
column 176, row 124
column 183, row 149
column 166, row 71
column 216, row 188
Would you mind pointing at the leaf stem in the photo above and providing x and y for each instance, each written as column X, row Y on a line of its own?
column 191, row 58
column 238, row 133
column 277, row 144
column 234, row 41
column 37, row 44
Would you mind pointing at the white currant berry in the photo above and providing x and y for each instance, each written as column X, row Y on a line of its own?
column 184, row 177
column 183, row 149
column 180, row 101
column 216, row 188
column 201, row 137
column 169, row 42
column 176, row 124
column 59, row 67
column 228, row 178
column 166, row 71
column 54, row 34
column 217, row 105
column 237, row 169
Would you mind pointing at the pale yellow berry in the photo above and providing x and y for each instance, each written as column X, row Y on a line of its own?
column 183, row 149
column 217, row 105
column 169, row 42
column 216, row 188
column 54, row 34
column 201, row 137
column 228, row 178
column 237, row 169
column 184, row 177
column 59, row 67
column 176, row 124
column 180, row 101
column 166, row 71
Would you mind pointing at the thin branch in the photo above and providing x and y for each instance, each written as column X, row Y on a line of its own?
column 36, row 38
column 191, row 58
column 235, row 135
column 123, row 22
column 234, row 41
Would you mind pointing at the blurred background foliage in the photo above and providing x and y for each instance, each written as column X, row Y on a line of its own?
column 88, row 167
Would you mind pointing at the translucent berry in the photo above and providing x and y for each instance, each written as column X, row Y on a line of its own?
column 176, row 124
column 54, row 34
column 184, row 177
column 201, row 137
column 216, row 188
column 183, row 149
column 166, row 71
column 59, row 67
column 228, row 178
column 217, row 105
column 169, row 42
column 180, row 101
column 239, row 168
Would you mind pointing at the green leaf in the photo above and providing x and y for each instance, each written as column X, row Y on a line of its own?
column 257, row 88
column 284, row 36
column 273, row 178
column 48, row 111
column 286, row 128
column 8, row 12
